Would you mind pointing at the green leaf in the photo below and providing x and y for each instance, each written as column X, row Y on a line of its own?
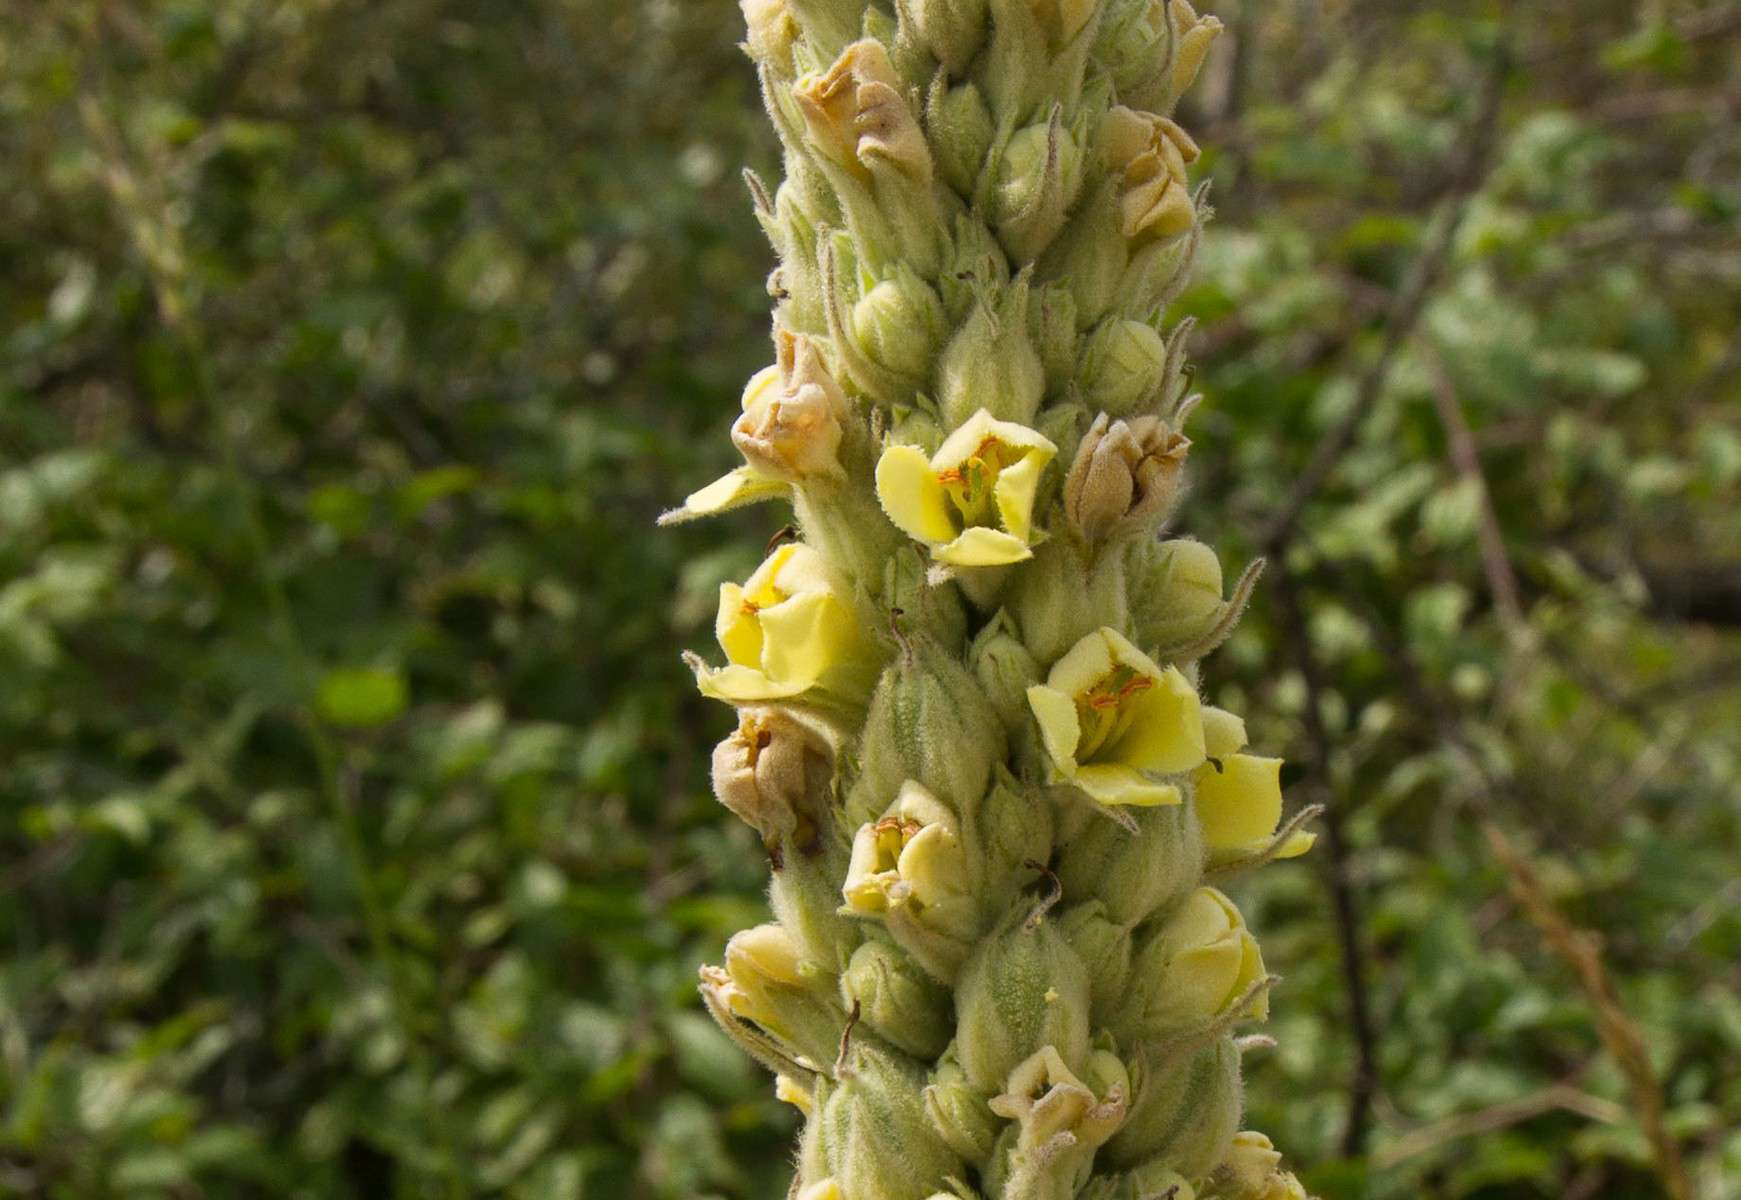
column 362, row 697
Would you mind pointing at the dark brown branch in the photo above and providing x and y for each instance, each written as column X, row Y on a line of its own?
column 1364, row 1086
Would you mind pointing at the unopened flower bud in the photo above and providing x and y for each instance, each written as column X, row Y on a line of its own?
column 958, row 1112
column 875, row 1132
column 1052, row 326
column 1104, row 945
column 1185, row 1108
column 1023, row 988
column 991, row 365
column 1194, row 970
column 1062, row 597
column 794, row 415
column 1135, row 874
column 1132, row 46
column 953, row 30
column 772, row 33
column 857, row 117
column 767, row 980
column 926, row 610
column 1007, row 833
column 1037, row 180
column 1149, row 155
column 1124, row 368
column 774, row 772
column 961, row 130
column 898, row 324
column 1091, row 258
column 1063, row 19
column 1253, row 1171
column 1005, row 669
column 930, row 723
column 1147, row 1182
column 1125, row 479
column 1192, row 37
column 896, row 1000
column 1176, row 592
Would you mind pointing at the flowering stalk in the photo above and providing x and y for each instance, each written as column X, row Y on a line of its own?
column 970, row 733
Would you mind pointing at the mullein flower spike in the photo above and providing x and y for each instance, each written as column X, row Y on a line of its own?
column 970, row 730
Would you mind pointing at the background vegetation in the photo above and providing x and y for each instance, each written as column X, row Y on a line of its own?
column 356, row 838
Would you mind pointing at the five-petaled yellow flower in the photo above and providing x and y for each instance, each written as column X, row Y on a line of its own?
column 1111, row 719
column 973, row 501
column 1239, row 796
column 786, row 631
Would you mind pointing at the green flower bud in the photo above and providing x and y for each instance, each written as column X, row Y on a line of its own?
column 805, row 896
column 1090, row 257
column 1185, row 1109
column 1063, row 20
column 960, row 127
column 928, row 722
column 772, row 33
column 976, row 268
column 1104, row 945
column 1132, row 47
column 1199, row 967
column 1052, row 326
column 991, row 364
column 1135, row 874
column 898, row 325
column 953, row 30
column 1059, row 598
column 875, row 1132
column 1147, row 1182
column 1124, row 369
column 1022, row 989
column 896, row 1000
column 1037, row 179
column 1006, row 834
column 958, row 1112
column 1176, row 592
column 829, row 24
column 1005, row 669
column 932, row 610
column 1157, row 273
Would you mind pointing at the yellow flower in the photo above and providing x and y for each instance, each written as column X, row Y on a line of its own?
column 857, row 117
column 912, row 858
column 1253, row 1171
column 1110, row 718
column 1239, row 796
column 973, row 501
column 785, row 631
column 1149, row 154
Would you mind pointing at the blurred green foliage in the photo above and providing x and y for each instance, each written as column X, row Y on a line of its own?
column 357, row 839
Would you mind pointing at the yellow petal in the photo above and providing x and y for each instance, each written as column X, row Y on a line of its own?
column 982, row 547
column 1166, row 730
column 1206, row 916
column 909, row 492
column 1223, row 732
column 1251, row 970
column 743, row 486
column 1060, row 727
column 973, row 433
column 1125, row 652
column 1110, row 783
column 742, row 685
column 1014, row 491
column 801, row 638
column 1085, row 664
column 764, row 387
column 1297, row 844
column 1241, row 804
column 736, row 627
column 1202, row 979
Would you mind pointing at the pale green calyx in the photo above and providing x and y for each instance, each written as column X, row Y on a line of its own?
column 970, row 734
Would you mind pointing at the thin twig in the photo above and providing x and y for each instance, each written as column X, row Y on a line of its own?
column 1558, row 1097
column 1348, row 928
column 1405, row 313
column 1460, row 442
